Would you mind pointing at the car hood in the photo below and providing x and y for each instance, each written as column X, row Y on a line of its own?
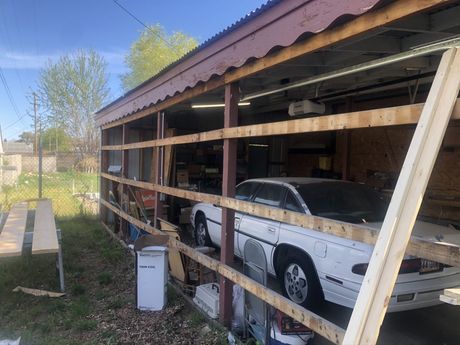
column 430, row 232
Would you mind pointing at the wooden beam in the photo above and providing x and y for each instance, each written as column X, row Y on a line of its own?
column 45, row 238
column 378, row 283
column 124, row 195
column 318, row 324
column 228, row 190
column 451, row 296
column 393, row 116
column 446, row 253
column 364, row 23
column 159, row 171
column 104, row 164
column 12, row 235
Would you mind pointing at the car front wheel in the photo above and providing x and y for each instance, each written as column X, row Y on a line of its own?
column 299, row 281
column 202, row 238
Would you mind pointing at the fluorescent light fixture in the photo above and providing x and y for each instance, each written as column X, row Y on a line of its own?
column 258, row 145
column 217, row 105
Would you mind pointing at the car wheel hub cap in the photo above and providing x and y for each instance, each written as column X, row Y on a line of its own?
column 295, row 283
column 201, row 234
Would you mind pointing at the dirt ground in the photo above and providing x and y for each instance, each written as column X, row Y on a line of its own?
column 99, row 307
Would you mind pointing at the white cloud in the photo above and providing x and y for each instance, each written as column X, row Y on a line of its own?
column 25, row 61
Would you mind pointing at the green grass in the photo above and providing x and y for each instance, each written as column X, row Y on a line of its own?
column 63, row 320
column 59, row 187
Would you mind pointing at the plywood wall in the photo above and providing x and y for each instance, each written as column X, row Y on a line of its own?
column 376, row 157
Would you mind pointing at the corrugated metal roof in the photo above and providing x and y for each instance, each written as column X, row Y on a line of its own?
column 275, row 24
column 269, row 4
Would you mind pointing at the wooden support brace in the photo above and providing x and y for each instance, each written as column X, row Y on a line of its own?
column 391, row 245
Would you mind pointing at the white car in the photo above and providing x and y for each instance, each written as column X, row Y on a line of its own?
column 311, row 265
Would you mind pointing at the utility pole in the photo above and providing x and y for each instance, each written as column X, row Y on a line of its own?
column 35, row 125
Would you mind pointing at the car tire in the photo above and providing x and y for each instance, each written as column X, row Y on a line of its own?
column 202, row 238
column 299, row 281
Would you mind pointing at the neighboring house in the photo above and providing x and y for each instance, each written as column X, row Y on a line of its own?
column 17, row 148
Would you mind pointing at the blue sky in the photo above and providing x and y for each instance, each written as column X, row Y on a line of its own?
column 33, row 32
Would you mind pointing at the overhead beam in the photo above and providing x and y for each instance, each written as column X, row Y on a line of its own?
column 388, row 253
column 446, row 253
column 318, row 324
column 364, row 23
column 400, row 115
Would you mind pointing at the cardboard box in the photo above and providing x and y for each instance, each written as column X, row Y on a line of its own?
column 182, row 176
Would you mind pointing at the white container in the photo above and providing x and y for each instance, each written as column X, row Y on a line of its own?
column 207, row 298
column 152, row 274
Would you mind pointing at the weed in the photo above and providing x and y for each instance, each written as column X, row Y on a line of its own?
column 196, row 319
column 85, row 325
column 78, row 290
column 104, row 278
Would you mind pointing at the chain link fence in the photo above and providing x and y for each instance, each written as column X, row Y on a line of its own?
column 69, row 180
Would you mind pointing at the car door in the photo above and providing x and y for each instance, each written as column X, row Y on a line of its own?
column 265, row 231
column 244, row 191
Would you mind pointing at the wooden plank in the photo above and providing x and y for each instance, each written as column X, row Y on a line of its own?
column 12, row 235
column 378, row 283
column 393, row 116
column 45, row 236
column 227, row 232
column 318, row 324
column 364, row 23
column 449, row 300
column 454, row 292
column 176, row 264
column 446, row 253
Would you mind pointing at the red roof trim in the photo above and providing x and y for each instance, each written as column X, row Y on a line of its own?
column 280, row 25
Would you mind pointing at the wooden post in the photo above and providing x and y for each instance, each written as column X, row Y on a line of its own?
column 124, row 196
column 103, row 183
column 159, row 171
column 228, row 190
column 378, row 283
column 346, row 145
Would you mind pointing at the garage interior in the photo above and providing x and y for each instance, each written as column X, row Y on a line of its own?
column 388, row 66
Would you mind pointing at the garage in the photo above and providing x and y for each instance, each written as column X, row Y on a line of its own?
column 344, row 92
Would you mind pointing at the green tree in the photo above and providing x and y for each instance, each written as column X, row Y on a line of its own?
column 70, row 91
column 56, row 140
column 27, row 137
column 153, row 51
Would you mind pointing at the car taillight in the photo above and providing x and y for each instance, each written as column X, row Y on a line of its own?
column 407, row 266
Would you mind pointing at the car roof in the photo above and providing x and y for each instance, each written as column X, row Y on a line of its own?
column 294, row 180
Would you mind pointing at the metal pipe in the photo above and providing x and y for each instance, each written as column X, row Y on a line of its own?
column 431, row 48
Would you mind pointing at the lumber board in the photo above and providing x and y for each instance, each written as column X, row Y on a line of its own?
column 392, row 116
column 176, row 264
column 12, row 235
column 364, row 23
column 449, row 300
column 45, row 236
column 388, row 253
column 441, row 252
column 454, row 292
column 318, row 324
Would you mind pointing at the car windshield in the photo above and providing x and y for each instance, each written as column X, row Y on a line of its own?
column 348, row 202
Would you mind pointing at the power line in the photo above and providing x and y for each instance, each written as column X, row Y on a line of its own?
column 142, row 23
column 10, row 95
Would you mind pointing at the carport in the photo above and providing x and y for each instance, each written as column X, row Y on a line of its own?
column 220, row 115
